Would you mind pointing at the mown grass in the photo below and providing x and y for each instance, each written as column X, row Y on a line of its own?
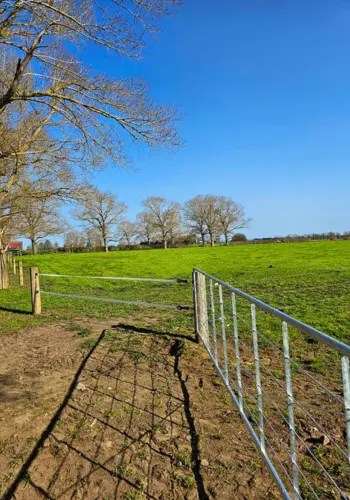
column 310, row 281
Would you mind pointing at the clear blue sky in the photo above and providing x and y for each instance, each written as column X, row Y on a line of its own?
column 264, row 87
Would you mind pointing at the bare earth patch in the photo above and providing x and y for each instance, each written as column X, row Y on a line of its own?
column 131, row 414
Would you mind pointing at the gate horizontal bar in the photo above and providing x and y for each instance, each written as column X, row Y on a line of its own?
column 175, row 280
column 303, row 327
column 117, row 301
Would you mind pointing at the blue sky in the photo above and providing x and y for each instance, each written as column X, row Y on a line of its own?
column 264, row 87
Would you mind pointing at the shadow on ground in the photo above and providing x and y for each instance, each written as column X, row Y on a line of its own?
column 124, row 429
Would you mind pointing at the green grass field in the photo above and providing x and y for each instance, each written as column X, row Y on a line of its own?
column 310, row 281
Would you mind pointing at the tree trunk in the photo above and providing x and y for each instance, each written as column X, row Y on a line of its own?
column 212, row 241
column 165, row 244
column 4, row 276
column 34, row 250
column 203, row 239
column 105, row 244
column 226, row 238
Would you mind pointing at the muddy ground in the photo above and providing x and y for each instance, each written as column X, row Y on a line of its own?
column 103, row 411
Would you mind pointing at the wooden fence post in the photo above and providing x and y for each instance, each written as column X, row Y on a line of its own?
column 14, row 266
column 35, row 290
column 20, row 273
column 202, row 307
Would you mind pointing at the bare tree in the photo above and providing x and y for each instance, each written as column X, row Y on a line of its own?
column 55, row 112
column 74, row 239
column 210, row 217
column 93, row 112
column 127, row 232
column 145, row 227
column 194, row 215
column 165, row 217
column 231, row 216
column 39, row 219
column 101, row 211
column 93, row 238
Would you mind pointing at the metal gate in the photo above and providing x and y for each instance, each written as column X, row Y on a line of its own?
column 298, row 417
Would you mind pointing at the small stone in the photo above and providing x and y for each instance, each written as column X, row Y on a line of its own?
column 107, row 444
column 81, row 387
column 205, row 463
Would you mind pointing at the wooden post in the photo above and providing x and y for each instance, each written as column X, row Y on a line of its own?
column 20, row 273
column 202, row 308
column 14, row 266
column 35, row 290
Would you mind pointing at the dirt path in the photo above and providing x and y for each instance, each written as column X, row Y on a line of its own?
column 138, row 415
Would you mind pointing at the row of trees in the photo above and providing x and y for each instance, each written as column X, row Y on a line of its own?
column 101, row 215
column 59, row 118
column 207, row 217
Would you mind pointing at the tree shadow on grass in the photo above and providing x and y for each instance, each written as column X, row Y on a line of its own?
column 124, row 428
column 151, row 331
column 16, row 311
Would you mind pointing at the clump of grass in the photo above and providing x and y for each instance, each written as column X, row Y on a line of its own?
column 121, row 469
column 187, row 482
column 88, row 344
column 132, row 495
column 80, row 331
column 183, row 458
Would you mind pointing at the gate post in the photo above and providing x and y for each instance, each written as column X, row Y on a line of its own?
column 195, row 305
column 202, row 308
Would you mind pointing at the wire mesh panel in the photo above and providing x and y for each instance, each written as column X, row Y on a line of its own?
column 290, row 383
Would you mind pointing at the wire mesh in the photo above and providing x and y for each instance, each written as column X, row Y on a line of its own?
column 291, row 384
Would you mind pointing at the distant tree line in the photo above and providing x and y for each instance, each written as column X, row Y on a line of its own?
column 290, row 238
column 162, row 223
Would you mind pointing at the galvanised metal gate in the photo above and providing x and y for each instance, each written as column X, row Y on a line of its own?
column 290, row 383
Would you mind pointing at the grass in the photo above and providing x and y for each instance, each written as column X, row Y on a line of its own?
column 307, row 280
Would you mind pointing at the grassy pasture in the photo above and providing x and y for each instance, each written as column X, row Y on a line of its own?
column 308, row 280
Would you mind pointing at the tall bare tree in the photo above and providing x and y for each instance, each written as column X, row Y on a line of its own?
column 165, row 217
column 211, row 217
column 39, row 219
column 145, row 227
column 127, row 232
column 93, row 238
column 194, row 215
column 231, row 216
column 74, row 239
column 95, row 112
column 55, row 112
column 101, row 211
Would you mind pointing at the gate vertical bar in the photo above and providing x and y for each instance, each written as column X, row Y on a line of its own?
column 206, row 311
column 258, row 379
column 213, row 320
column 346, row 389
column 238, row 359
column 223, row 331
column 290, row 403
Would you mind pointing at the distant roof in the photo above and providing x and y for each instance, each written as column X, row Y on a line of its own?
column 16, row 245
